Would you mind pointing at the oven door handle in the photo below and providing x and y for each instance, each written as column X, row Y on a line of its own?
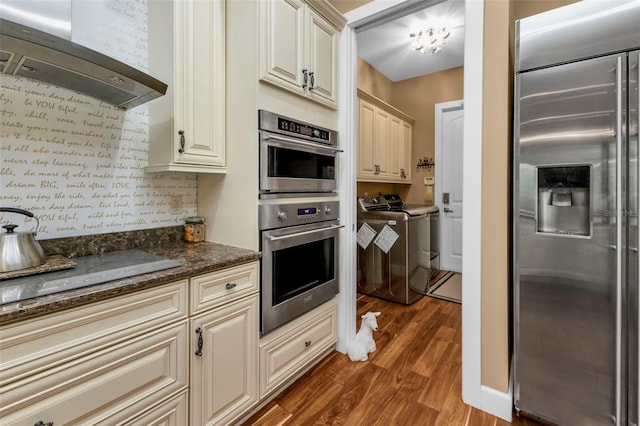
column 303, row 143
column 313, row 231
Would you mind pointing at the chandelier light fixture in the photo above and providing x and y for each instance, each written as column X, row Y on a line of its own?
column 430, row 40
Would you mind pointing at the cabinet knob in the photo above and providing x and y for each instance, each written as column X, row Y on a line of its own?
column 305, row 77
column 41, row 423
column 181, row 133
column 307, row 343
column 229, row 286
column 200, row 341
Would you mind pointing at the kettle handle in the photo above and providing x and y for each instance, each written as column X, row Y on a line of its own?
column 24, row 212
column 14, row 210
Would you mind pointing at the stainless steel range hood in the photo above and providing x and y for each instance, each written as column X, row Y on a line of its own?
column 29, row 48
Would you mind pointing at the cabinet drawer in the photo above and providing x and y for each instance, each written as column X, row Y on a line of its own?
column 220, row 287
column 102, row 386
column 31, row 346
column 171, row 413
column 290, row 348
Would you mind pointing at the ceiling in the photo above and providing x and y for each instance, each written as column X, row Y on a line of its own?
column 387, row 47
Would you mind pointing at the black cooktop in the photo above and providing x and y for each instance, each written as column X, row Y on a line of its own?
column 89, row 270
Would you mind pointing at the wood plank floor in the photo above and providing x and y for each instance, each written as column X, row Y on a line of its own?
column 413, row 378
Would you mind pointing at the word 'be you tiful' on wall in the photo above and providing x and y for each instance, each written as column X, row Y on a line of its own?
column 76, row 162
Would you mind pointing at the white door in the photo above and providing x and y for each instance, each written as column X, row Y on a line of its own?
column 449, row 140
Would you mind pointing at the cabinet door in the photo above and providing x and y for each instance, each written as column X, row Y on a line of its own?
column 187, row 49
column 322, row 59
column 282, row 43
column 224, row 376
column 199, row 76
column 405, row 140
column 396, row 155
column 366, row 118
column 381, row 142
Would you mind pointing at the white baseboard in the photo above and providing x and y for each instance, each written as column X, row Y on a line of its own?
column 499, row 404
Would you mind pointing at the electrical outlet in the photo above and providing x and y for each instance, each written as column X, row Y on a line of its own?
column 175, row 202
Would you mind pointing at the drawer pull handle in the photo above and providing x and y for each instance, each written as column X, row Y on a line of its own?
column 41, row 423
column 313, row 81
column 200, row 342
column 307, row 343
column 229, row 286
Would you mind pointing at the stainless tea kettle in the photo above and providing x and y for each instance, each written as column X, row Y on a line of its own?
column 19, row 250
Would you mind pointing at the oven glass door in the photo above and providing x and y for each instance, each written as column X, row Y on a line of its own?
column 299, row 271
column 289, row 165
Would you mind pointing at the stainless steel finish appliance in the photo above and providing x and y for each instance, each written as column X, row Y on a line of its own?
column 403, row 273
column 299, row 244
column 295, row 157
column 575, row 214
column 19, row 250
column 35, row 43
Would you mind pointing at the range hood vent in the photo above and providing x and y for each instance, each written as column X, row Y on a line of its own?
column 38, row 55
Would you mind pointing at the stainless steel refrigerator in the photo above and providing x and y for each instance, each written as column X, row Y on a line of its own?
column 575, row 214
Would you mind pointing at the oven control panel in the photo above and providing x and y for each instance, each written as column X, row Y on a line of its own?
column 302, row 129
column 290, row 214
column 277, row 123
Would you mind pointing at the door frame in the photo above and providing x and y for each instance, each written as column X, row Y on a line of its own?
column 441, row 108
column 474, row 393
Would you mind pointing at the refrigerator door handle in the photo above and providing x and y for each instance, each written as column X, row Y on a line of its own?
column 619, row 177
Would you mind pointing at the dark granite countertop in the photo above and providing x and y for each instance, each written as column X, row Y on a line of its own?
column 196, row 259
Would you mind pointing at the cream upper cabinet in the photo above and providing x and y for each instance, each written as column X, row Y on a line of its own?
column 381, row 142
column 282, row 44
column 299, row 47
column 384, row 141
column 396, row 148
column 405, row 142
column 187, row 50
column 366, row 148
column 322, row 60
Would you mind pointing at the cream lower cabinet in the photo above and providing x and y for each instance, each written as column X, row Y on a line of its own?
column 295, row 346
column 185, row 353
column 173, row 412
column 187, row 51
column 224, row 382
column 299, row 47
column 224, row 344
column 104, row 363
column 384, row 141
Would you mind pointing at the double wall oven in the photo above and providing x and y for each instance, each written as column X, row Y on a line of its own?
column 298, row 218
